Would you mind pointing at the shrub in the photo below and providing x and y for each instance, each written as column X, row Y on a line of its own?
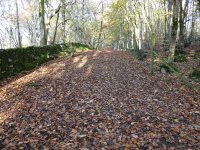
column 195, row 75
column 138, row 54
column 72, row 47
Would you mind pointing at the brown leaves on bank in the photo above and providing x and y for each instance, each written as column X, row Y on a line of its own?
column 98, row 100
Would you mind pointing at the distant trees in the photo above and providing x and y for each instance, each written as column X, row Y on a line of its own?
column 124, row 24
column 173, row 23
column 48, row 22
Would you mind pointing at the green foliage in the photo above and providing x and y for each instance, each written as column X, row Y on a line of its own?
column 15, row 60
column 195, row 75
column 169, row 67
column 71, row 48
column 138, row 54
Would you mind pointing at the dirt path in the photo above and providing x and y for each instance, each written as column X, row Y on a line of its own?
column 98, row 100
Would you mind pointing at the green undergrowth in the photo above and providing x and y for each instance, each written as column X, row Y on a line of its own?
column 169, row 67
column 180, row 56
column 195, row 75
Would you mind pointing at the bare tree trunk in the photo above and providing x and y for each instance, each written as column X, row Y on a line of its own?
column 165, row 21
column 191, row 35
column 174, row 31
column 199, row 4
column 56, row 28
column 132, row 37
column 63, row 28
column 168, row 35
column 18, row 28
column 139, row 33
column 182, row 15
column 43, row 37
column 153, row 43
column 101, row 26
column 120, row 42
column 83, row 27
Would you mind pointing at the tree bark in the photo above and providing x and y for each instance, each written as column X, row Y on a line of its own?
column 191, row 36
column 18, row 28
column 63, row 28
column 174, row 31
column 101, row 26
column 43, row 37
column 168, row 35
column 181, row 26
column 56, row 28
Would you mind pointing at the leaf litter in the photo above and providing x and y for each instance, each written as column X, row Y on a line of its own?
column 98, row 100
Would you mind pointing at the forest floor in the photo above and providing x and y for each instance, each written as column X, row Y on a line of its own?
column 98, row 100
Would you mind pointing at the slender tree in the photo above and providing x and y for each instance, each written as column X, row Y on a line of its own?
column 43, row 37
column 101, row 27
column 174, row 30
column 18, row 28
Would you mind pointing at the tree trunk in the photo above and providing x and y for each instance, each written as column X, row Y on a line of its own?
column 43, row 37
column 168, row 35
column 153, row 43
column 56, row 28
column 165, row 31
column 174, row 31
column 63, row 28
column 101, row 26
column 191, row 36
column 182, row 16
column 18, row 28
